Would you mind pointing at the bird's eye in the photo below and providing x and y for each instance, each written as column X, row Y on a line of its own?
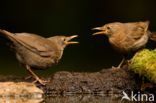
column 64, row 39
column 108, row 28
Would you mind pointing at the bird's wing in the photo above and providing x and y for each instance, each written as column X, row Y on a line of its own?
column 32, row 42
column 138, row 29
column 138, row 36
column 137, row 33
column 35, row 43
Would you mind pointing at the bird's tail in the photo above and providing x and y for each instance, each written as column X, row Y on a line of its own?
column 153, row 36
column 12, row 38
column 15, row 40
column 7, row 35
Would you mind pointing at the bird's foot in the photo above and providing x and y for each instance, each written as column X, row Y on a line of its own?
column 113, row 67
column 119, row 66
column 43, row 82
column 37, row 79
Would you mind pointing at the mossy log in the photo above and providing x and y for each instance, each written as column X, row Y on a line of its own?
column 144, row 64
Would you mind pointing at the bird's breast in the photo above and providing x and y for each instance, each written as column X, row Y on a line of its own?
column 119, row 44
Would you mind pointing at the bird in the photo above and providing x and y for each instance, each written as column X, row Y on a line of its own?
column 37, row 52
column 125, row 37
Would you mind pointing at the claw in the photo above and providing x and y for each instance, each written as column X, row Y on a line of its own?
column 43, row 82
column 37, row 79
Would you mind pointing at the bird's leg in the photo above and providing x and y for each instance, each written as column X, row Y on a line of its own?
column 35, row 76
column 121, row 63
column 28, row 77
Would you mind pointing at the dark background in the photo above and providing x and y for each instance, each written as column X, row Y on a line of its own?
column 71, row 17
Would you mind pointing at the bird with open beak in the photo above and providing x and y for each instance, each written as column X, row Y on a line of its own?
column 125, row 37
column 36, row 52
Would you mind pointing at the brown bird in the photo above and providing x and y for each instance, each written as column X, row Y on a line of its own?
column 126, row 37
column 36, row 52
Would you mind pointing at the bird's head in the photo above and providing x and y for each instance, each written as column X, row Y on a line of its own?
column 108, row 29
column 113, row 28
column 63, row 41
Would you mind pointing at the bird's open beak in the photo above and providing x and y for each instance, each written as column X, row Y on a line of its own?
column 70, row 38
column 100, row 31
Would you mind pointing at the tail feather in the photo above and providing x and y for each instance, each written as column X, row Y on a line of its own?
column 7, row 35
column 12, row 37
column 153, row 36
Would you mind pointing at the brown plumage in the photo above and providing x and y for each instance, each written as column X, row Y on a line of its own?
column 153, row 36
column 126, row 37
column 36, row 52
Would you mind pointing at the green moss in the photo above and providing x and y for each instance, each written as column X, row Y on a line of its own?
column 144, row 63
